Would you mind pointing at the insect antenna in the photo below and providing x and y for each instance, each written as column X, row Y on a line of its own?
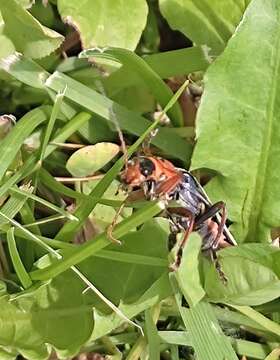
column 113, row 118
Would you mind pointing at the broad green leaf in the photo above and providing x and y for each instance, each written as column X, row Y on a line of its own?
column 127, row 282
column 97, row 243
column 205, row 22
column 48, row 314
column 104, row 23
column 188, row 272
column 27, row 34
column 26, row 3
column 102, row 216
column 106, row 323
column 238, row 124
column 89, row 159
column 7, row 47
column 252, row 279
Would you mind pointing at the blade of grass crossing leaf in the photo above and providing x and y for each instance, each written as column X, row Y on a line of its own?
column 73, row 268
column 207, row 338
column 274, row 355
column 99, row 242
column 176, row 96
column 157, row 86
column 29, row 234
column 50, row 126
column 166, row 64
column 51, row 183
column 105, row 300
column 46, row 220
column 132, row 258
column 258, row 318
column 30, row 73
column 153, row 340
column 13, row 206
column 128, row 120
column 179, row 62
column 17, row 263
column 45, row 203
column 29, row 166
column 89, row 204
column 67, row 130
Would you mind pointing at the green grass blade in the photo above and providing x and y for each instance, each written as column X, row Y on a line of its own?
column 99, row 242
column 206, row 336
column 153, row 339
column 30, row 73
column 54, row 185
column 45, row 203
column 128, row 120
column 208, row 340
column 242, row 347
column 67, row 130
column 179, row 62
column 131, row 258
column 29, row 166
column 258, row 318
column 136, row 64
column 11, row 144
column 17, row 263
column 89, row 284
column 274, row 355
column 14, row 204
column 51, row 123
column 165, row 64
column 31, row 163
column 24, row 70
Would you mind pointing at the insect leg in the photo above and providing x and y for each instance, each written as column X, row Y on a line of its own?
column 213, row 210
column 187, row 214
column 209, row 213
column 111, row 227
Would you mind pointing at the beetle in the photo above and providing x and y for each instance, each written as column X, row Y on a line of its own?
column 158, row 178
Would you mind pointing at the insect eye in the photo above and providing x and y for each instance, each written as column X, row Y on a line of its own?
column 146, row 167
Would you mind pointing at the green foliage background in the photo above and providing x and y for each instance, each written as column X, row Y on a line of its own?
column 73, row 72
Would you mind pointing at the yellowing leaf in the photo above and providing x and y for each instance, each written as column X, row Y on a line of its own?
column 89, row 159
